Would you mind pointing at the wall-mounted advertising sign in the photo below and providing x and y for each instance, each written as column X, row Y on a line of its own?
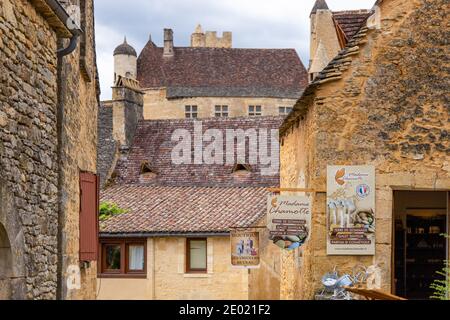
column 288, row 220
column 351, row 210
column 244, row 248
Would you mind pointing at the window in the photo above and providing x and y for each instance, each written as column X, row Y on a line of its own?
column 196, row 258
column 123, row 258
column 191, row 112
column 254, row 110
column 221, row 111
column 285, row 110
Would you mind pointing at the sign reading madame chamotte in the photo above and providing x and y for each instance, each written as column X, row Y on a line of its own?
column 351, row 210
column 288, row 220
column 244, row 248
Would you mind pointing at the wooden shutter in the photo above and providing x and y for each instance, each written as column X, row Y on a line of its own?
column 89, row 203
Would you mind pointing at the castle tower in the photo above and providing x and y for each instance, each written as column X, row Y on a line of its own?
column 125, row 61
column 324, row 42
column 198, row 37
column 209, row 39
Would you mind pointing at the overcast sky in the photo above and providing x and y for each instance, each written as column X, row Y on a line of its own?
column 254, row 23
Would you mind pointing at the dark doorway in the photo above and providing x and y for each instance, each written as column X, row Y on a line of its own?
column 421, row 217
column 5, row 265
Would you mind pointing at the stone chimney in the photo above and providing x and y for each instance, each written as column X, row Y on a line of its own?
column 168, row 43
column 324, row 43
column 127, row 103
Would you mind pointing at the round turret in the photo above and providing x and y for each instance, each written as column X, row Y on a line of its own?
column 125, row 61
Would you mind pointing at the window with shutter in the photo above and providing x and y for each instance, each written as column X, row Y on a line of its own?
column 89, row 203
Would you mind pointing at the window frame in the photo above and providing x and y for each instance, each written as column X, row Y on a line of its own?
column 253, row 110
column 286, row 110
column 189, row 111
column 221, row 111
column 188, row 256
column 124, row 271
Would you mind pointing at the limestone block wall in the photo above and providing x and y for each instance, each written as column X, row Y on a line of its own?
column 156, row 106
column 388, row 110
column 167, row 280
column 28, row 145
column 78, row 105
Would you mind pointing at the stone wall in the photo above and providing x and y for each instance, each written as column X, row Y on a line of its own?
column 156, row 106
column 167, row 280
column 28, row 149
column 78, row 106
column 388, row 109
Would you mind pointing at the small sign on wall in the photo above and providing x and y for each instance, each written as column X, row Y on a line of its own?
column 288, row 220
column 351, row 210
column 244, row 248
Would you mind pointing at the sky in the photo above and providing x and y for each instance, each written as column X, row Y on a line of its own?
column 254, row 23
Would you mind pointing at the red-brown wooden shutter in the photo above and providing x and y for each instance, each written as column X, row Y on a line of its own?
column 89, row 203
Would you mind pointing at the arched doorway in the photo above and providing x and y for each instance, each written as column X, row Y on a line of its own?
column 5, row 265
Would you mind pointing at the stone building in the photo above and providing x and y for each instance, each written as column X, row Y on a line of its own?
column 330, row 33
column 212, row 79
column 173, row 209
column 49, row 98
column 381, row 101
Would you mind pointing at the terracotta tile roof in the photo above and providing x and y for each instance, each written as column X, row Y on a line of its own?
column 183, row 209
column 152, row 146
column 199, row 72
column 333, row 71
column 351, row 21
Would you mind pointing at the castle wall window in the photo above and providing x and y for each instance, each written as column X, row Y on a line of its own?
column 191, row 112
column 254, row 111
column 221, row 111
column 285, row 110
column 122, row 258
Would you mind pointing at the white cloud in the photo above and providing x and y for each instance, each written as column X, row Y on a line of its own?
column 254, row 23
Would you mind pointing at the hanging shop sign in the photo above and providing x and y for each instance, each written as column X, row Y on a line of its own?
column 288, row 220
column 244, row 248
column 351, row 210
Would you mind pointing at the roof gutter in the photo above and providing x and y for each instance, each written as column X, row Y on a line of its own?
column 164, row 235
column 70, row 24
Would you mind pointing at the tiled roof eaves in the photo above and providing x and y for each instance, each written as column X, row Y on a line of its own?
column 267, row 92
column 333, row 71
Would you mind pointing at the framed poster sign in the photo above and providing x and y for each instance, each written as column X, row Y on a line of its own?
column 244, row 248
column 351, row 210
column 288, row 220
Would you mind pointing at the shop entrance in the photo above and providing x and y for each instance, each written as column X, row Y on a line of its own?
column 419, row 248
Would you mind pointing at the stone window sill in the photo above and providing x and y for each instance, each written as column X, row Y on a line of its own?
column 196, row 275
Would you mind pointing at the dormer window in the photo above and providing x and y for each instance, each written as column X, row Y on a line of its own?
column 146, row 172
column 241, row 168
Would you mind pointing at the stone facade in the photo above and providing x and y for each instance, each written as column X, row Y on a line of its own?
column 157, row 106
column 28, row 150
column 167, row 280
column 383, row 104
column 39, row 188
column 78, row 105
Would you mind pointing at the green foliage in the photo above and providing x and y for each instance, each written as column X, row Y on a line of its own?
column 441, row 287
column 109, row 209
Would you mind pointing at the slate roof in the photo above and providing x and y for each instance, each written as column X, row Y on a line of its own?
column 153, row 145
column 333, row 71
column 351, row 21
column 155, row 210
column 319, row 5
column 125, row 49
column 225, row 72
